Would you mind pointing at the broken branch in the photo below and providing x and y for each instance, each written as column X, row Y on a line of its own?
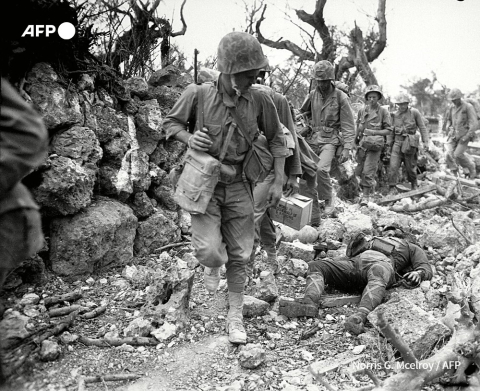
column 107, row 342
column 395, row 339
column 71, row 296
column 66, row 310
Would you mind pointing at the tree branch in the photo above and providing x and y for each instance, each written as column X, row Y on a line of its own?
column 184, row 28
column 381, row 42
column 282, row 44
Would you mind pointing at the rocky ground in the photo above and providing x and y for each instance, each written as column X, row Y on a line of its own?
column 190, row 350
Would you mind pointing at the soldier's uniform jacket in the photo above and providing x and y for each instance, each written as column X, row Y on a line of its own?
column 408, row 255
column 463, row 119
column 332, row 118
column 254, row 107
column 377, row 119
column 407, row 123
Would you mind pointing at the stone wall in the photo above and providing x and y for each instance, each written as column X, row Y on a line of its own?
column 104, row 191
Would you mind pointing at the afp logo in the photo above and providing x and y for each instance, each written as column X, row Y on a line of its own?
column 65, row 31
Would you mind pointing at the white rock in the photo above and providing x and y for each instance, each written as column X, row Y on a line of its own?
column 358, row 349
column 30, row 298
column 90, row 281
column 306, row 355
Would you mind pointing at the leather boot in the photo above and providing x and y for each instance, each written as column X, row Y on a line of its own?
column 211, row 279
column 308, row 305
column 236, row 331
column 366, row 196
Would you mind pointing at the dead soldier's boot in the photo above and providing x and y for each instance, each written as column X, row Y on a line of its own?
column 355, row 323
column 236, row 331
column 211, row 279
column 308, row 305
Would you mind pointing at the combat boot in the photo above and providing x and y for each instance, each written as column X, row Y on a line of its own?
column 365, row 197
column 308, row 305
column 329, row 207
column 272, row 260
column 236, row 331
column 414, row 185
column 211, row 278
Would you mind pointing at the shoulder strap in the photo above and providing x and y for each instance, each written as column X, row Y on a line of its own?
column 240, row 124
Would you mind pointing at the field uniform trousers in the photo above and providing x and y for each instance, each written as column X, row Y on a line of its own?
column 396, row 160
column 456, row 156
column 326, row 153
column 224, row 234
column 370, row 271
column 367, row 165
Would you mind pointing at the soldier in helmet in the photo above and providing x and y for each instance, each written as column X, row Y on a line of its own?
column 404, row 143
column 461, row 125
column 333, row 126
column 373, row 125
column 223, row 235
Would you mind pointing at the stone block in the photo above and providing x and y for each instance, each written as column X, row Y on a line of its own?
column 297, row 250
column 418, row 328
column 253, row 307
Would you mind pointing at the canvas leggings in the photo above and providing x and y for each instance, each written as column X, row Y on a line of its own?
column 396, row 160
column 455, row 155
column 224, row 234
column 326, row 153
column 20, row 238
column 370, row 272
column 367, row 165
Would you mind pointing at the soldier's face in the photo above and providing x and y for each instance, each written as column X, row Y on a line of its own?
column 373, row 98
column 402, row 107
column 456, row 102
column 244, row 80
column 324, row 85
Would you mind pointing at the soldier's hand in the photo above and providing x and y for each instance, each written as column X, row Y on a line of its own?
column 200, row 140
column 292, row 186
column 344, row 156
column 274, row 194
column 414, row 277
column 368, row 132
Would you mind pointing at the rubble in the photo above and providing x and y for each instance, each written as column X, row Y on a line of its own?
column 251, row 356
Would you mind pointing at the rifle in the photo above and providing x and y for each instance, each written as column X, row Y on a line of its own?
column 195, row 70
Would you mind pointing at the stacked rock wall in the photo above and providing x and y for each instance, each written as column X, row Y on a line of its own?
column 104, row 191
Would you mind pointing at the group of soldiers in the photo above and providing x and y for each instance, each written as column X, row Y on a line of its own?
column 237, row 220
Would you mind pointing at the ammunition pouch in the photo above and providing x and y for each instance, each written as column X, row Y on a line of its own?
column 382, row 246
column 410, row 144
column 259, row 161
column 372, row 143
column 197, row 181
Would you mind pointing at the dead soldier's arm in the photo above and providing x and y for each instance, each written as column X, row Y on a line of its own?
column 420, row 262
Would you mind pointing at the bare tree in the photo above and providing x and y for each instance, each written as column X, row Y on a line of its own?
column 134, row 47
column 357, row 54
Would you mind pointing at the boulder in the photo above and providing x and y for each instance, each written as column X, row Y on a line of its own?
column 96, row 239
column 59, row 108
column 297, row 250
column 168, row 76
column 296, row 267
column 418, row 328
column 12, row 329
column 253, row 307
column 331, row 229
column 142, row 205
column 265, row 288
column 251, row 356
column 139, row 327
column 49, row 350
column 148, row 122
column 110, row 123
column 165, row 196
column 66, row 186
column 137, row 86
column 156, row 231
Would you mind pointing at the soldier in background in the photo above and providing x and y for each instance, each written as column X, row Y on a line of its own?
column 333, row 127
column 461, row 125
column 373, row 125
column 406, row 123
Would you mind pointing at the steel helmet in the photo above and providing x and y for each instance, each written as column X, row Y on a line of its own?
column 373, row 88
column 402, row 98
column 455, row 93
column 323, row 70
column 240, row 52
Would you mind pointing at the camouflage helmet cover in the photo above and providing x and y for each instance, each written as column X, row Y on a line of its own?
column 455, row 93
column 240, row 52
column 323, row 70
column 402, row 98
column 373, row 88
